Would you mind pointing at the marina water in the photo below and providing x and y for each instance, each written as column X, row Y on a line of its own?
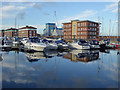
column 60, row 69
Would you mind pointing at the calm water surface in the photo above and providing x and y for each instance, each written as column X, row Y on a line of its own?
column 52, row 69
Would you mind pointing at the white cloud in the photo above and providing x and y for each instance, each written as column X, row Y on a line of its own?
column 81, row 16
column 10, row 11
column 112, row 7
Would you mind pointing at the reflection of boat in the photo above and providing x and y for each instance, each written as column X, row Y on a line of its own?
column 84, row 57
column 34, row 56
column 1, row 57
column 49, row 53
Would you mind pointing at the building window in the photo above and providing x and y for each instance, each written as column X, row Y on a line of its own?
column 95, row 29
column 74, row 24
column 95, row 33
column 85, row 24
column 78, row 24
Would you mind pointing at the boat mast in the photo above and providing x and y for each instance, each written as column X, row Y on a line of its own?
column 118, row 21
column 102, row 27
column 109, row 27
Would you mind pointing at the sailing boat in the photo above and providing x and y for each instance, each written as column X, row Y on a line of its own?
column 118, row 37
column 102, row 44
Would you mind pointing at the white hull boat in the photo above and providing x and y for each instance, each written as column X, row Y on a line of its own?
column 35, row 46
column 79, row 47
column 94, row 46
column 52, row 46
column 63, row 46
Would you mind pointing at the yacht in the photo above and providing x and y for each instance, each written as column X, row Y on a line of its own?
column 81, row 44
column 94, row 44
column 102, row 44
column 50, row 44
column 5, row 44
column 33, row 44
column 62, row 45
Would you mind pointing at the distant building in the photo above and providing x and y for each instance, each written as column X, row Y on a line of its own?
column 1, row 33
column 11, row 32
column 27, row 31
column 77, row 29
column 49, row 30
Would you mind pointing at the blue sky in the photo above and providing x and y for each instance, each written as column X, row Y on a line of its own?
column 39, row 13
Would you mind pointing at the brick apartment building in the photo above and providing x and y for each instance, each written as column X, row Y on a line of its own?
column 77, row 29
column 11, row 32
column 27, row 31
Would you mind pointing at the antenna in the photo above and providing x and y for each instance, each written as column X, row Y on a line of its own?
column 15, row 21
column 55, row 20
column 109, row 27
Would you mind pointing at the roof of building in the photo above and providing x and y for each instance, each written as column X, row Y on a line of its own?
column 87, row 21
column 80, row 21
column 28, row 27
column 12, row 29
column 50, row 23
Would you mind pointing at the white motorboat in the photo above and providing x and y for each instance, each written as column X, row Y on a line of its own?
column 80, row 45
column 52, row 46
column 24, row 40
column 94, row 44
column 34, row 46
column 63, row 46
column 6, row 45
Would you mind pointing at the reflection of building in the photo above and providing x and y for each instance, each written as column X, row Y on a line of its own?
column 84, row 57
column 11, row 32
column 27, row 31
column 50, row 27
column 81, row 30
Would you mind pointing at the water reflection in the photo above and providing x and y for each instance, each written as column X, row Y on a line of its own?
column 58, row 71
column 35, row 56
column 82, row 55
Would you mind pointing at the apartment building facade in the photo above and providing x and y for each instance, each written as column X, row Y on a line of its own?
column 27, row 31
column 77, row 29
column 11, row 32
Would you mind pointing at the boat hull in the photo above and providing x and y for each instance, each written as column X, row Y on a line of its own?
column 79, row 47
